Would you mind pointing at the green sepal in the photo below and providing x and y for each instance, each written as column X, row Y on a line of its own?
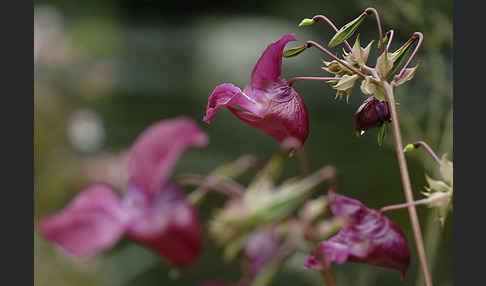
column 346, row 31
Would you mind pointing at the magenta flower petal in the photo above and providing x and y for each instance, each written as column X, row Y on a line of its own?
column 93, row 221
column 157, row 149
column 152, row 212
column 225, row 95
column 261, row 248
column 281, row 120
column 270, row 105
column 166, row 224
column 369, row 238
column 268, row 69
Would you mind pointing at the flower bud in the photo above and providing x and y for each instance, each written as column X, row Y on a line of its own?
column 371, row 113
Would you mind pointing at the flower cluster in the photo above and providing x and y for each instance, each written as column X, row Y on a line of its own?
column 258, row 221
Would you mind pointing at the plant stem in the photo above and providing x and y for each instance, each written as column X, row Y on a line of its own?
column 420, row 37
column 404, row 205
column 303, row 159
column 429, row 150
column 432, row 241
column 407, row 187
column 325, row 271
column 390, row 38
column 378, row 22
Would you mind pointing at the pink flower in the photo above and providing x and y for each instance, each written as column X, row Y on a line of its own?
column 369, row 238
column 152, row 212
column 270, row 104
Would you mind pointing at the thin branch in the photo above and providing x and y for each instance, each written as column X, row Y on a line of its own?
column 303, row 159
column 331, row 24
column 420, row 37
column 429, row 150
column 291, row 81
column 390, row 35
column 407, row 186
column 378, row 21
column 404, row 205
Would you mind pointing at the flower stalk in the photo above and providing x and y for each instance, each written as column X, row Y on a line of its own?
column 428, row 149
column 407, row 187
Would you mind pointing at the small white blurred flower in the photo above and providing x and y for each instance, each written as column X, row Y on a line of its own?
column 85, row 131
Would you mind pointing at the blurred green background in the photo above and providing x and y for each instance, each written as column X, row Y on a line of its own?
column 104, row 70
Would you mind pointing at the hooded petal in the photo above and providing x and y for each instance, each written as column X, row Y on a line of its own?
column 93, row 221
column 157, row 149
column 268, row 69
column 370, row 238
column 270, row 105
column 226, row 95
column 167, row 224
column 280, row 120
column 371, row 113
column 260, row 248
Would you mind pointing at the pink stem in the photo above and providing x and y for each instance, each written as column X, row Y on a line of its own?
column 415, row 35
column 429, row 150
column 402, row 206
column 378, row 21
column 407, row 186
column 390, row 38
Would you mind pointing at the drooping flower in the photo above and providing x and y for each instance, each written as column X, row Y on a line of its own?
column 371, row 113
column 270, row 104
column 369, row 238
column 152, row 212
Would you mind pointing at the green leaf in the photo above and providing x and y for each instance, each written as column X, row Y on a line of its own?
column 336, row 68
column 294, row 51
column 346, row 82
column 384, row 64
column 382, row 134
column 346, row 31
column 234, row 246
column 366, row 52
column 399, row 56
column 369, row 88
column 306, row 22
column 446, row 170
column 437, row 185
column 407, row 75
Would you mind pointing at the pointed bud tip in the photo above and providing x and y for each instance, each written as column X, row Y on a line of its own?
column 306, row 22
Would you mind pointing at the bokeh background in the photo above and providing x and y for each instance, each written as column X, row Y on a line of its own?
column 105, row 70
